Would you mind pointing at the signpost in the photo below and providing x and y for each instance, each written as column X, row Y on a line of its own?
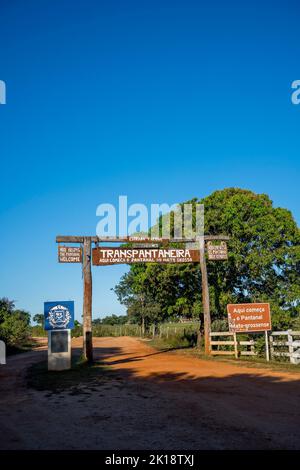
column 59, row 319
column 103, row 256
column 205, row 300
column 247, row 318
column 87, row 300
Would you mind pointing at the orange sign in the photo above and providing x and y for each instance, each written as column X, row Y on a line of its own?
column 249, row 317
column 106, row 256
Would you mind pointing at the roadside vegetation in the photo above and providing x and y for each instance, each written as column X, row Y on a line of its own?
column 263, row 266
column 14, row 327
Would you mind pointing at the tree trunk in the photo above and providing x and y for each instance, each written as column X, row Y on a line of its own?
column 143, row 326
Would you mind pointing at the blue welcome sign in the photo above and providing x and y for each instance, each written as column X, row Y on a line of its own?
column 59, row 315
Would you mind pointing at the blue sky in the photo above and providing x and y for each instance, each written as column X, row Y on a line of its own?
column 158, row 100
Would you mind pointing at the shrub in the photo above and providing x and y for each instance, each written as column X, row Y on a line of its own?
column 14, row 324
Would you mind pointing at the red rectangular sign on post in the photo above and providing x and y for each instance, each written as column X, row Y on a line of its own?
column 249, row 317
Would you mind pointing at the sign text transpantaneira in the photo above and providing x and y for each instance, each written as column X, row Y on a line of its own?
column 107, row 256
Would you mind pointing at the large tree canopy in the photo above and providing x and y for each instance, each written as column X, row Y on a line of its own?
column 263, row 264
column 13, row 323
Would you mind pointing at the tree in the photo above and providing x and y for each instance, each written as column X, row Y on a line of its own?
column 6, row 308
column 136, row 291
column 14, row 324
column 111, row 320
column 39, row 319
column 263, row 263
column 264, row 253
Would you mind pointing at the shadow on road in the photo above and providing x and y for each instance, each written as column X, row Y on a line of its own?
column 157, row 409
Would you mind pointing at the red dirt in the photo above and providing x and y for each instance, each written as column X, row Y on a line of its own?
column 151, row 400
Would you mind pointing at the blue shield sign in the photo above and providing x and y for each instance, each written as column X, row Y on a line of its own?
column 59, row 315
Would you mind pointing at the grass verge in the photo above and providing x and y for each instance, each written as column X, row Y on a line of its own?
column 177, row 347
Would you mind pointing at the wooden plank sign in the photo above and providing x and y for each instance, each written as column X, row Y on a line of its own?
column 69, row 254
column 145, row 239
column 249, row 317
column 103, row 256
column 217, row 252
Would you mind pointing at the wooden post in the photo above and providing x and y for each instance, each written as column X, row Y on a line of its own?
column 199, row 336
column 205, row 298
column 267, row 346
column 290, row 344
column 271, row 347
column 87, row 301
column 235, row 346
column 143, row 326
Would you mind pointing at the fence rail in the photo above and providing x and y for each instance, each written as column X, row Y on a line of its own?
column 234, row 344
column 168, row 330
column 288, row 347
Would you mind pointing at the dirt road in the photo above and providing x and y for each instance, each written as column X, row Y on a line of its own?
column 151, row 400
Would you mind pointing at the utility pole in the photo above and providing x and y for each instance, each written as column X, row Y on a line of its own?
column 87, row 300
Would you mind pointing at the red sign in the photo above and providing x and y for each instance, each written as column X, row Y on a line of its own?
column 249, row 317
column 106, row 256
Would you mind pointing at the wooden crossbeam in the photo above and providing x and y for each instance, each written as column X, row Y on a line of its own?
column 94, row 239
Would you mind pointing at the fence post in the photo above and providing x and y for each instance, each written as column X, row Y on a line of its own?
column 267, row 346
column 290, row 344
column 235, row 345
column 271, row 347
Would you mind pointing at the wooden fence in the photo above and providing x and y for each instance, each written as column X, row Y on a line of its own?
column 283, row 344
column 172, row 329
column 233, row 344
